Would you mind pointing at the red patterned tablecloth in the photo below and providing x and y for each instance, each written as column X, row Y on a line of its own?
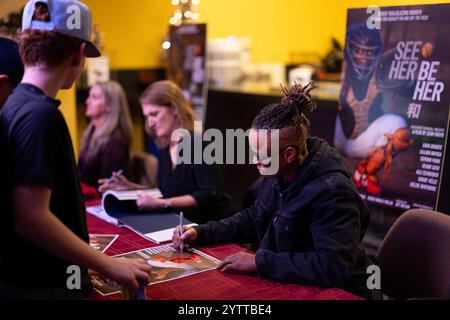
column 211, row 285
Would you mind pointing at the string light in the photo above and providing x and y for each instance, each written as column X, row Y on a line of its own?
column 166, row 45
column 185, row 11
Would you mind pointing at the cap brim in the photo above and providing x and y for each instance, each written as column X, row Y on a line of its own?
column 92, row 51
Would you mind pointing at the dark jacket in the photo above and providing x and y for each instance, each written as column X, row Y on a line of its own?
column 309, row 231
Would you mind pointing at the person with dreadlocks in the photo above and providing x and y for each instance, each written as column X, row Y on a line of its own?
column 308, row 218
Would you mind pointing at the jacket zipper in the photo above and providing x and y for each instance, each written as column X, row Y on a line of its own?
column 281, row 204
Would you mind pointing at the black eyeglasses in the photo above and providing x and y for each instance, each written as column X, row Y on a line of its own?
column 265, row 160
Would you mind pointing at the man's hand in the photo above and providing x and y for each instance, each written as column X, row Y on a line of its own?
column 241, row 262
column 97, row 280
column 128, row 272
column 189, row 236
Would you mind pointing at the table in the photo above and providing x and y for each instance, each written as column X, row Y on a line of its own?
column 213, row 284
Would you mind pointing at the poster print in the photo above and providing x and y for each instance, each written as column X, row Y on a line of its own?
column 187, row 61
column 102, row 242
column 167, row 264
column 393, row 116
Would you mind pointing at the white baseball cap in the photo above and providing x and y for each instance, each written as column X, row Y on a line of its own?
column 69, row 17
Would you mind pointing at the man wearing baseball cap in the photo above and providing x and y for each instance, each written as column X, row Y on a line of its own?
column 11, row 68
column 44, row 243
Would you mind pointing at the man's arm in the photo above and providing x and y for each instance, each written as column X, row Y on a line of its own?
column 34, row 221
column 241, row 227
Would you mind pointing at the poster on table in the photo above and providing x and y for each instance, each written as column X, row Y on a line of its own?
column 393, row 115
column 167, row 264
column 187, row 61
column 102, row 242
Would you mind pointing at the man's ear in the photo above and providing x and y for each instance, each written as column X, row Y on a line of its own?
column 79, row 56
column 290, row 155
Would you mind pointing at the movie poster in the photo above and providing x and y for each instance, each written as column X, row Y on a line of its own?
column 187, row 61
column 393, row 116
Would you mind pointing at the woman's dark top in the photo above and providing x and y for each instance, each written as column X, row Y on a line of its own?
column 201, row 181
column 115, row 155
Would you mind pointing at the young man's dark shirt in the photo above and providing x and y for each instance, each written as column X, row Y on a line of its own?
column 37, row 151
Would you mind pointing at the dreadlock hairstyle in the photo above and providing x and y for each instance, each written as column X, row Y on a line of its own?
column 289, row 115
column 290, row 112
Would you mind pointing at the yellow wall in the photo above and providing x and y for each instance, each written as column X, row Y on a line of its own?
column 275, row 28
column 279, row 28
column 134, row 30
column 8, row 6
column 68, row 109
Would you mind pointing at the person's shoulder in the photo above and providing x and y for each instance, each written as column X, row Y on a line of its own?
column 23, row 107
column 329, row 167
column 42, row 111
column 28, row 98
column 336, row 181
column 267, row 185
column 35, row 117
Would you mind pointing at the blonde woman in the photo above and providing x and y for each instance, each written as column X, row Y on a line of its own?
column 105, row 147
column 197, row 189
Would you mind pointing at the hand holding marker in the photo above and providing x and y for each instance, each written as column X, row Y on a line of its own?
column 113, row 177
